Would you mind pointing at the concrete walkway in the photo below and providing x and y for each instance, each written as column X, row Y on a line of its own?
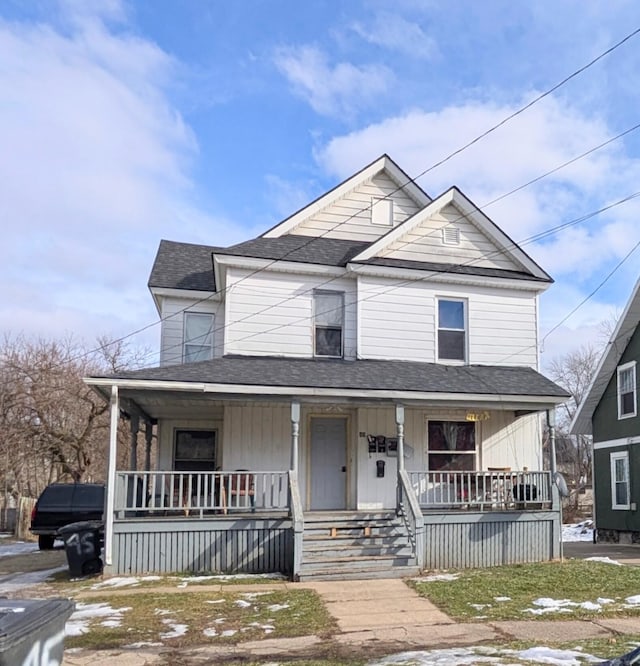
column 374, row 617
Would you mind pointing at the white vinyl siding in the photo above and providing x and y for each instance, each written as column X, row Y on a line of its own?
column 620, row 480
column 172, row 327
column 425, row 243
column 350, row 216
column 271, row 314
column 397, row 320
column 627, row 391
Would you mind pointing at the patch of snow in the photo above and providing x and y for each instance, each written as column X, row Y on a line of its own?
column 634, row 600
column 436, row 577
column 18, row 548
column 78, row 623
column 9, row 609
column 210, row 632
column 606, row 560
column 480, row 606
column 123, row 581
column 603, row 600
column 215, row 601
column 162, row 611
column 578, row 531
column 242, row 603
column 18, row 582
column 140, row 644
column 253, row 595
column 111, row 623
column 227, row 577
column 220, row 620
column 175, row 630
column 229, row 632
column 545, row 655
column 277, row 607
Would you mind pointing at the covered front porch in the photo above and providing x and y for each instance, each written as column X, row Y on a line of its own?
column 272, row 478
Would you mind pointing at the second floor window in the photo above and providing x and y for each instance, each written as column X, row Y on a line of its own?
column 627, row 401
column 328, row 316
column 198, row 337
column 452, row 334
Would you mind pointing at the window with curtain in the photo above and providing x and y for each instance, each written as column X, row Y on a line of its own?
column 452, row 334
column 198, row 337
column 627, row 401
column 620, row 480
column 451, row 446
column 328, row 317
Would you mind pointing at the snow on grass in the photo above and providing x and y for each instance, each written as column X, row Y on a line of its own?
column 80, row 620
column 436, row 577
column 578, row 531
column 123, row 581
column 548, row 605
column 175, row 629
column 229, row 578
column 605, row 560
column 481, row 655
column 277, row 607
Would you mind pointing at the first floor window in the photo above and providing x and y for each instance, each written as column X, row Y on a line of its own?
column 452, row 335
column 198, row 337
column 195, row 451
column 328, row 317
column 620, row 480
column 627, row 390
column 451, row 446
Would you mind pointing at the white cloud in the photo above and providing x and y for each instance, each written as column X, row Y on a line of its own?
column 391, row 31
column 94, row 170
column 331, row 90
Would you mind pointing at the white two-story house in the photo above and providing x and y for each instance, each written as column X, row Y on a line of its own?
column 355, row 392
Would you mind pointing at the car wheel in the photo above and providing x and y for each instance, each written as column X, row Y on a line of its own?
column 45, row 541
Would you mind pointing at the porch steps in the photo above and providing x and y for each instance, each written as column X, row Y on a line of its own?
column 349, row 545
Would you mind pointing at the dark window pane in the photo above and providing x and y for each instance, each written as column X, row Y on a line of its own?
column 627, row 403
column 195, row 445
column 451, row 345
column 451, row 314
column 452, row 436
column 457, row 462
column 621, row 493
column 328, row 341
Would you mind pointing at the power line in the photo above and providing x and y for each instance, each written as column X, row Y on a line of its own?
column 411, row 180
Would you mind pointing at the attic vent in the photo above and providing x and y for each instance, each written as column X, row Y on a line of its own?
column 450, row 235
column 382, row 212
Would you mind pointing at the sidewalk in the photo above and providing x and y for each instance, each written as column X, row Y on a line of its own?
column 374, row 617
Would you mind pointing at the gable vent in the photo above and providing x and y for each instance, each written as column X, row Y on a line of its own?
column 382, row 212
column 450, row 235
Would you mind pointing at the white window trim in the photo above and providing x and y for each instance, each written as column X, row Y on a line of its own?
column 185, row 342
column 320, row 292
column 622, row 368
column 613, row 457
column 452, row 361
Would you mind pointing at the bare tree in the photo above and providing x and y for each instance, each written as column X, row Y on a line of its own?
column 574, row 372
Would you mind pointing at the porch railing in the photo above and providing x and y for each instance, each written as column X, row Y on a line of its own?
column 409, row 508
column 482, row 490
column 196, row 493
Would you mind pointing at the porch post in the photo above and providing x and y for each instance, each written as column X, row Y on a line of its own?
column 111, row 478
column 551, row 422
column 295, row 434
column 148, row 436
column 135, row 427
column 400, row 428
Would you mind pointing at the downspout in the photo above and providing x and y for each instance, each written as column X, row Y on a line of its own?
column 111, row 478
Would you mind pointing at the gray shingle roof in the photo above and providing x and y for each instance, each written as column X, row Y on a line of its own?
column 306, row 249
column 183, row 266
column 361, row 374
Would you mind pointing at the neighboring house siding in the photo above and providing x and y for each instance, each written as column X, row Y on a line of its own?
column 425, row 243
column 397, row 321
column 271, row 314
column 606, row 425
column 350, row 216
column 172, row 331
column 608, row 518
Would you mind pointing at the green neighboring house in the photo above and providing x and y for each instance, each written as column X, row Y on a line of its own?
column 610, row 413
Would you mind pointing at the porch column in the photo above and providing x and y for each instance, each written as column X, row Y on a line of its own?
column 295, row 434
column 551, row 423
column 111, row 477
column 400, row 429
column 148, row 437
column 135, row 427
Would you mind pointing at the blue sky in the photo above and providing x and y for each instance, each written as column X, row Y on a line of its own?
column 122, row 123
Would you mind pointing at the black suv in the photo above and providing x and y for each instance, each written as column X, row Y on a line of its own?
column 64, row 503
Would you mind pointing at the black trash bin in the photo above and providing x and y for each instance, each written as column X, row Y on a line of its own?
column 83, row 543
column 32, row 630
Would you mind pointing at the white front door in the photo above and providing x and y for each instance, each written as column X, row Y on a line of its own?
column 328, row 459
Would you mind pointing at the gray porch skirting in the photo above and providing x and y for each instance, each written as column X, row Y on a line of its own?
column 150, row 545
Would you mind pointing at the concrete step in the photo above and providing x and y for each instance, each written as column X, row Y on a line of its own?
column 361, row 574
